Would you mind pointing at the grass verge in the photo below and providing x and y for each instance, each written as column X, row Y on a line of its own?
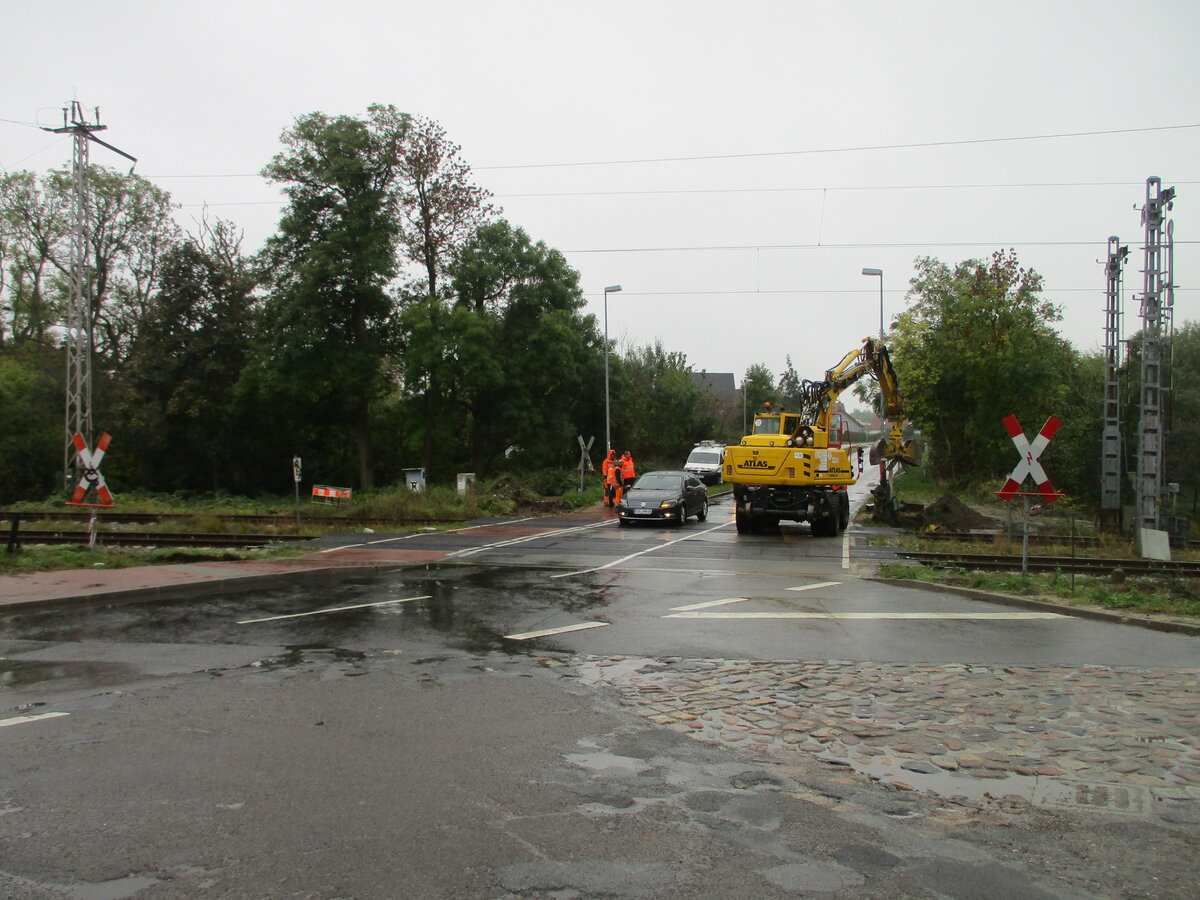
column 1160, row 595
column 50, row 558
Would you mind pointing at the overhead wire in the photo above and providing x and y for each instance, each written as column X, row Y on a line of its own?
column 858, row 149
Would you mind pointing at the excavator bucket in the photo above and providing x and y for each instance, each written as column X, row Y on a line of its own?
column 909, row 453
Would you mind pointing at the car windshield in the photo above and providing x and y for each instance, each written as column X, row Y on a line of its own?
column 655, row 481
column 705, row 456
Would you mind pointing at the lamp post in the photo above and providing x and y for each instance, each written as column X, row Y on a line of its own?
column 882, row 409
column 611, row 289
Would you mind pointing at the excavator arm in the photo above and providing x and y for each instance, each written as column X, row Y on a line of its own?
column 893, row 447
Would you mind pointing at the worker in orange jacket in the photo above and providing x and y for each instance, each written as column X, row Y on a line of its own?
column 607, row 469
column 628, row 474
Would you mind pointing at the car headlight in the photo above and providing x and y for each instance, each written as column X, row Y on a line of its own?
column 669, row 504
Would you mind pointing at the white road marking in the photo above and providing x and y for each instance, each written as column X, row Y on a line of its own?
column 321, row 612
column 809, row 587
column 529, row 537
column 617, row 562
column 526, row 635
column 865, row 615
column 21, row 720
column 709, row 603
column 416, row 534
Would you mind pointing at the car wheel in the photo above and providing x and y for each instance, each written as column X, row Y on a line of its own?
column 703, row 513
column 623, row 522
column 681, row 516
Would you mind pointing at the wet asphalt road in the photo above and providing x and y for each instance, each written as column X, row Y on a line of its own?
column 418, row 734
column 700, row 591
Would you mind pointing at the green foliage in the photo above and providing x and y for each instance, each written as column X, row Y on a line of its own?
column 975, row 345
column 398, row 325
column 130, row 227
column 182, row 427
column 328, row 322
column 31, row 437
column 440, row 209
column 1183, row 416
column 1163, row 596
column 508, row 361
column 759, row 385
column 788, row 389
column 657, row 409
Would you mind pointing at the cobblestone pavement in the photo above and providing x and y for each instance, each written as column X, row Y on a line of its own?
column 1114, row 740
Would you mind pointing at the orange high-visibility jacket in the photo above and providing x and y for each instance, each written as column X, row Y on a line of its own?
column 609, row 468
column 627, row 472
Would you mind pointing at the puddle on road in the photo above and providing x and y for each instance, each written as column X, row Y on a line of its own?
column 608, row 763
column 1011, row 787
column 951, row 785
column 19, row 673
column 301, row 653
column 467, row 608
column 117, row 889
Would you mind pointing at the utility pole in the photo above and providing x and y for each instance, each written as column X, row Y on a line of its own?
column 1110, row 438
column 1151, row 433
column 79, row 309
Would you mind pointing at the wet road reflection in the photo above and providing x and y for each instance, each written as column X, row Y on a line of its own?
column 465, row 608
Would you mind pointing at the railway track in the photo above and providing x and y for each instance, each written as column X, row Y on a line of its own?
column 131, row 518
column 157, row 518
column 1035, row 540
column 1067, row 564
column 154, row 539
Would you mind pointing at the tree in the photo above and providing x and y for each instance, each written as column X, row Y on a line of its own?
column 33, row 223
column 440, row 210
column 192, row 344
column 659, row 412
column 330, row 318
column 759, row 386
column 789, row 386
column 976, row 344
column 130, row 226
column 31, row 440
column 508, row 359
column 1181, row 408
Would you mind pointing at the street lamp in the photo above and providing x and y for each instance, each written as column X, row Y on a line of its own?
column 882, row 409
column 611, row 289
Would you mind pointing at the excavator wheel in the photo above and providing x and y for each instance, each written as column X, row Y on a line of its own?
column 843, row 511
column 741, row 518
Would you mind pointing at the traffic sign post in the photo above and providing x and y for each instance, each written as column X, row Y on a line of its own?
column 296, row 478
column 1029, row 467
column 585, row 460
column 90, row 481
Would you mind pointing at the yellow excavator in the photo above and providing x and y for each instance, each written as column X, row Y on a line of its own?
column 787, row 470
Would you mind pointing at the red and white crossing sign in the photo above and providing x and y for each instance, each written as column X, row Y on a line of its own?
column 1029, row 465
column 91, row 478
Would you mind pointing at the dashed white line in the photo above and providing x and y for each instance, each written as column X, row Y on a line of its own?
column 21, row 720
column 416, row 534
column 864, row 615
column 545, row 632
column 617, row 562
column 809, row 587
column 469, row 551
column 709, row 603
column 321, row 612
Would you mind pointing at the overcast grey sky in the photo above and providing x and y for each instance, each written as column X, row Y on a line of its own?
column 736, row 244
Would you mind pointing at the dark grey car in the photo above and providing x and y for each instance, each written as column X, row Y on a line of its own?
column 665, row 496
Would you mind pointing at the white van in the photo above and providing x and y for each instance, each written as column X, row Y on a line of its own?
column 705, row 461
